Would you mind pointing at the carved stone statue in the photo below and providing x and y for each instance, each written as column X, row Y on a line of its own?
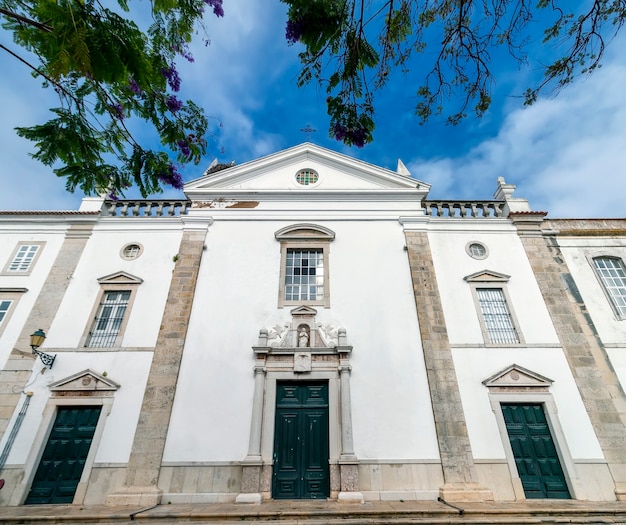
column 303, row 338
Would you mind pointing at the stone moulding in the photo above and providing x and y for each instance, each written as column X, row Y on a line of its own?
column 87, row 380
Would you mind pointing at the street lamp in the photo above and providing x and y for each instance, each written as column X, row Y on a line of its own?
column 36, row 340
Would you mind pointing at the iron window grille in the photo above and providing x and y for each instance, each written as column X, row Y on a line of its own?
column 496, row 316
column 109, row 318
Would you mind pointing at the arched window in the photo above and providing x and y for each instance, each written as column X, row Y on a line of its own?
column 304, row 265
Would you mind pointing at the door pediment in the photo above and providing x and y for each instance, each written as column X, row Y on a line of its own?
column 87, row 380
column 515, row 376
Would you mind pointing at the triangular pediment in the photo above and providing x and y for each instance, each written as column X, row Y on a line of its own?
column 303, row 310
column 335, row 172
column 120, row 278
column 87, row 380
column 487, row 276
column 516, row 376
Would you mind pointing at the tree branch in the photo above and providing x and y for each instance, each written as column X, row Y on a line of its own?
column 25, row 20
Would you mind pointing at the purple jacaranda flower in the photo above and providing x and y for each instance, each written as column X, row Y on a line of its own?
column 118, row 109
column 134, row 87
column 294, row 30
column 218, row 10
column 172, row 177
column 172, row 77
column 339, row 131
column 358, row 137
column 183, row 146
column 173, row 104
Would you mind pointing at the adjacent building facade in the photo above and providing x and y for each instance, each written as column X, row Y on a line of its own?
column 306, row 326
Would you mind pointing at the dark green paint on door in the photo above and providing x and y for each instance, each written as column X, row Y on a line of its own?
column 535, row 455
column 64, row 457
column 301, row 441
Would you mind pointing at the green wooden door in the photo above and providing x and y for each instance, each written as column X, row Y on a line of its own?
column 535, row 455
column 64, row 456
column 301, row 441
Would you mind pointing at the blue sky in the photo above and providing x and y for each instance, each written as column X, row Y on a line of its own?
column 566, row 154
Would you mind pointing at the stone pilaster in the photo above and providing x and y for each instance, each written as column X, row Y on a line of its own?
column 253, row 463
column 597, row 382
column 348, row 462
column 20, row 362
column 460, row 479
column 144, row 466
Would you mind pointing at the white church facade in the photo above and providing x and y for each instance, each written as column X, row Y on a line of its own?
column 310, row 326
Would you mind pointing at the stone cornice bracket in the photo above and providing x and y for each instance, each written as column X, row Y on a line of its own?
column 261, row 350
column 528, row 223
column 79, row 231
column 414, row 223
column 198, row 223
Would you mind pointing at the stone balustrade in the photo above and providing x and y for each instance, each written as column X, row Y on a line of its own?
column 464, row 209
column 145, row 208
column 175, row 208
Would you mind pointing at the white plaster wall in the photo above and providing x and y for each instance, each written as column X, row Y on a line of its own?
column 237, row 294
column 128, row 369
column 33, row 281
column 474, row 365
column 506, row 256
column 618, row 360
column 578, row 254
column 101, row 257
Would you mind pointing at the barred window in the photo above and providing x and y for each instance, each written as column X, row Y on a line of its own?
column 613, row 277
column 496, row 316
column 109, row 318
column 304, row 275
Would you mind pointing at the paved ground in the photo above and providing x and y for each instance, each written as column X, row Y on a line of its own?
column 326, row 512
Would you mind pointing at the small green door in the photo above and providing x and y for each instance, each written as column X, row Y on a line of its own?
column 535, row 455
column 301, row 441
column 64, row 457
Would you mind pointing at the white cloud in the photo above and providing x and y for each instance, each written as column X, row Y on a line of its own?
column 567, row 154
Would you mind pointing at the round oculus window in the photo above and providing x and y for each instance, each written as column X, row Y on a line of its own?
column 477, row 250
column 307, row 177
column 131, row 251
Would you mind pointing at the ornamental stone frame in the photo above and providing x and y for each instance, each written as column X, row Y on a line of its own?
column 84, row 389
column 516, row 384
column 279, row 357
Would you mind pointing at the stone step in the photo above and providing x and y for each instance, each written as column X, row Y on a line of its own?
column 317, row 513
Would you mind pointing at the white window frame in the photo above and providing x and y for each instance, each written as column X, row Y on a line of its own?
column 494, row 280
column 304, row 237
column 15, row 257
column 131, row 251
column 621, row 315
column 118, row 282
column 12, row 295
